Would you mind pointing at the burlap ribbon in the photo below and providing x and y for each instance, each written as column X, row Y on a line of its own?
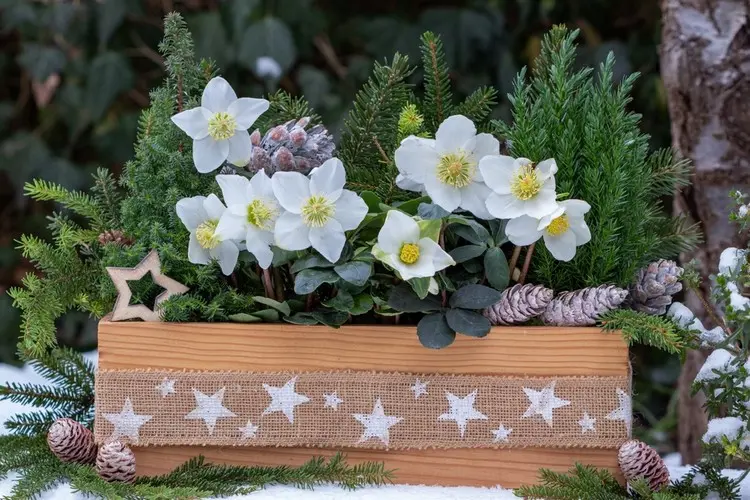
column 360, row 409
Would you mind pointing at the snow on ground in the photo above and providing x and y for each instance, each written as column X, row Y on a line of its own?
column 26, row 374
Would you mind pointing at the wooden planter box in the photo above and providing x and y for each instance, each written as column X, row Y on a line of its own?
column 507, row 351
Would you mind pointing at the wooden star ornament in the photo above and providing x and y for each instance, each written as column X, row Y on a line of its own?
column 121, row 275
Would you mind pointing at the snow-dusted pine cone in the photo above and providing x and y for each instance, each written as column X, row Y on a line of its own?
column 519, row 304
column 115, row 236
column 654, row 286
column 291, row 148
column 116, row 462
column 583, row 307
column 639, row 460
column 71, row 441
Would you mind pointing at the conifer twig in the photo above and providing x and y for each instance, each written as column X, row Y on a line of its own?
column 526, row 263
column 382, row 152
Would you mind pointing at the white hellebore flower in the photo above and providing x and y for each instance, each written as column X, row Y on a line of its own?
column 520, row 187
column 318, row 209
column 563, row 230
column 251, row 213
column 400, row 247
column 201, row 215
column 219, row 126
column 445, row 168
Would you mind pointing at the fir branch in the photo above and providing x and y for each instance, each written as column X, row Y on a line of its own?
column 479, row 104
column 438, row 103
column 79, row 202
column 285, row 107
column 107, row 197
column 642, row 328
column 581, row 481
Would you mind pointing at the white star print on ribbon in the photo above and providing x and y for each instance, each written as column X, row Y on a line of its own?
column 284, row 399
column 624, row 412
column 249, row 431
column 587, row 423
column 127, row 423
column 543, row 402
column 332, row 401
column 501, row 434
column 209, row 408
column 166, row 387
column 419, row 388
column 377, row 423
column 462, row 410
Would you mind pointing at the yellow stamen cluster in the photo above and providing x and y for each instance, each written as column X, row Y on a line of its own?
column 221, row 126
column 558, row 226
column 259, row 214
column 526, row 183
column 456, row 169
column 409, row 253
column 205, row 234
column 317, row 211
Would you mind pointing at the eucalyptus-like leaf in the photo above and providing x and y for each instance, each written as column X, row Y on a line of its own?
column 310, row 261
column 244, row 318
column 431, row 211
column 467, row 252
column 354, row 272
column 301, row 318
column 343, row 301
column 267, row 315
column 331, row 318
column 403, row 299
column 473, row 232
column 433, row 331
column 468, row 322
column 362, row 304
column 282, row 307
column 474, row 297
column 421, row 286
column 496, row 268
column 372, row 200
column 308, row 280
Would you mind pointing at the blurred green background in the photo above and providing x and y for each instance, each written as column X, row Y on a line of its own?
column 76, row 73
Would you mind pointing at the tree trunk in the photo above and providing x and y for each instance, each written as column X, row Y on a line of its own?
column 705, row 66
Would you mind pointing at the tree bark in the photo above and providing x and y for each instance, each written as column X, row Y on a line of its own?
column 705, row 66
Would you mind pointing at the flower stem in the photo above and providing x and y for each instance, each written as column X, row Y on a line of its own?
column 526, row 263
column 267, row 284
column 441, row 242
column 278, row 282
column 514, row 260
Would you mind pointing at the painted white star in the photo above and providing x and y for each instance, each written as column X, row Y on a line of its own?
column 248, row 432
column 209, row 408
column 377, row 423
column 587, row 423
column 462, row 410
column 166, row 387
column 419, row 388
column 284, row 399
column 501, row 434
column 127, row 423
column 333, row 401
column 543, row 402
column 624, row 412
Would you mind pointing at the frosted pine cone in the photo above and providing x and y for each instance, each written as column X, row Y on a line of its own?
column 519, row 304
column 654, row 286
column 116, row 462
column 71, row 441
column 583, row 307
column 291, row 148
column 115, row 236
column 638, row 460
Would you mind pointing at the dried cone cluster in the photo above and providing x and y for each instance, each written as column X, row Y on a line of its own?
column 639, row 461
column 291, row 148
column 71, row 441
column 115, row 236
column 654, row 286
column 519, row 304
column 583, row 307
column 116, row 462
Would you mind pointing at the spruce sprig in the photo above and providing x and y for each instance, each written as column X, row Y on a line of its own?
column 642, row 328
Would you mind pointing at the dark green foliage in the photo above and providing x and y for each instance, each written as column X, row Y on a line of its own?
column 285, row 107
column 438, row 98
column 642, row 328
column 715, row 481
column 581, row 119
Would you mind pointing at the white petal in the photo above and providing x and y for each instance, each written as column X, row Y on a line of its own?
column 485, row 145
column 540, row 205
column 547, row 219
column 260, row 186
column 262, row 235
column 522, row 230
column 191, row 211
column 350, row 210
column 292, row 189
column 234, row 189
column 497, row 172
column 474, row 199
column 581, row 230
column 261, row 251
column 504, row 206
column 196, row 253
column 218, row 95
column 328, row 240
column 231, row 227
column 422, row 268
column 561, row 247
column 192, row 122
column 405, row 183
column 575, row 208
column 546, row 168
column 226, row 253
column 454, row 133
column 208, row 154
column 446, row 197
column 214, row 207
column 240, row 148
column 328, row 179
column 398, row 229
column 246, row 110
column 440, row 258
column 416, row 158
column 290, row 232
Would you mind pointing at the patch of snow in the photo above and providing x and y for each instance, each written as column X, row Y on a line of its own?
column 736, row 299
column 713, row 336
column 731, row 259
column 718, row 362
column 729, row 427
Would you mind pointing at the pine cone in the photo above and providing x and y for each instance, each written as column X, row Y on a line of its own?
column 583, row 307
column 116, row 462
column 519, row 304
column 71, row 441
column 291, row 148
column 115, row 236
column 639, row 460
column 654, row 286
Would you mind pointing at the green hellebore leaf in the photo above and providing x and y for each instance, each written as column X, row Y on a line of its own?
column 355, row 272
column 309, row 262
column 403, row 299
column 331, row 318
column 473, row 232
column 496, row 268
column 343, row 301
column 468, row 322
column 244, row 318
column 474, row 297
column 308, row 280
column 434, row 332
column 282, row 307
column 301, row 318
column 362, row 304
column 372, row 200
column 429, row 211
column 421, row 286
column 267, row 315
column 467, row 252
